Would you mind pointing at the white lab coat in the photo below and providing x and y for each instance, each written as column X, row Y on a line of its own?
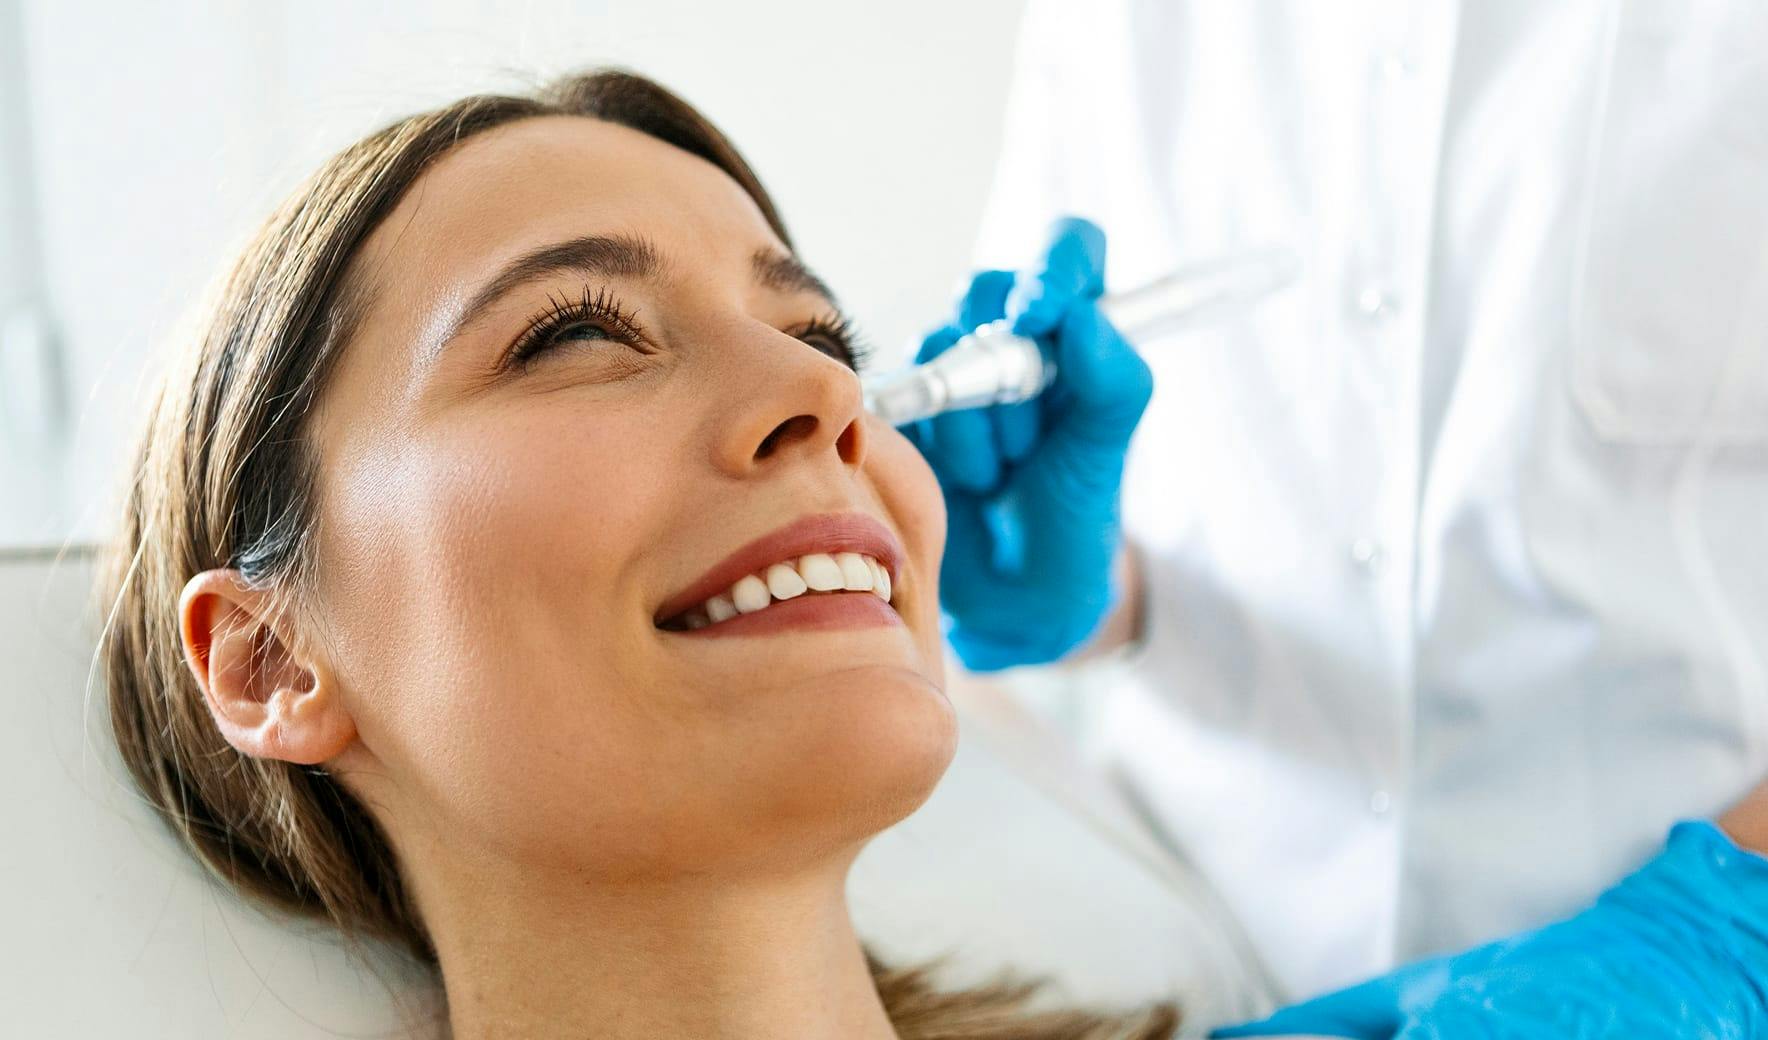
column 1457, row 551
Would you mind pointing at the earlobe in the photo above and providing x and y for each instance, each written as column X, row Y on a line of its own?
column 265, row 700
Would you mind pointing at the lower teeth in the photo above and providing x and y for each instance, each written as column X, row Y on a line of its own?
column 697, row 619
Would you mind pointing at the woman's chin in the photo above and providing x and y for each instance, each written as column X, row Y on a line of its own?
column 858, row 757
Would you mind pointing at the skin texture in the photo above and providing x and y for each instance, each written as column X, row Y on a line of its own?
column 610, row 829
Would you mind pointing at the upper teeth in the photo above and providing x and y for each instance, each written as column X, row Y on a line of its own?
column 818, row 572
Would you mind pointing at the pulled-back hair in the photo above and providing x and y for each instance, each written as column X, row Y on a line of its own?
column 225, row 477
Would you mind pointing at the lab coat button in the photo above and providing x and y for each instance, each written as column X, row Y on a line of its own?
column 1395, row 66
column 1376, row 304
column 1368, row 555
column 1380, row 803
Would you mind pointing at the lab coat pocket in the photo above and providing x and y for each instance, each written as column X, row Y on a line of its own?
column 1669, row 333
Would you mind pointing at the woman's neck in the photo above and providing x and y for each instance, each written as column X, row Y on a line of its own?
column 699, row 959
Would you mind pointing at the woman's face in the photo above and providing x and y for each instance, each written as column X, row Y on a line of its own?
column 508, row 541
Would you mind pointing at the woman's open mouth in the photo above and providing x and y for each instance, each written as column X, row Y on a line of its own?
column 835, row 579
column 828, row 570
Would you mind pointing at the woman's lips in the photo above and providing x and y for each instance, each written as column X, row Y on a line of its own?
column 812, row 612
column 825, row 533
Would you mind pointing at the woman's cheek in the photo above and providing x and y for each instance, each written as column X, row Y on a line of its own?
column 911, row 494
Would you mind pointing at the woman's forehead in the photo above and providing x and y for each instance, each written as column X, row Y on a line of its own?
column 511, row 188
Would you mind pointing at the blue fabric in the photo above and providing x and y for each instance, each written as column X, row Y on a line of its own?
column 1031, row 489
column 1678, row 949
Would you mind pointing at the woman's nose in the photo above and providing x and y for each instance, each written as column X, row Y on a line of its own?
column 798, row 403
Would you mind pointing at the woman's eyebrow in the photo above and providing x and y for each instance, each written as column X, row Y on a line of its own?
column 621, row 256
column 784, row 272
column 616, row 255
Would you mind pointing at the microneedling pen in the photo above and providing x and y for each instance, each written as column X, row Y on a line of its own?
column 993, row 366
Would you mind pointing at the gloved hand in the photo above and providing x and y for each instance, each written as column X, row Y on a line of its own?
column 1031, row 488
column 1678, row 949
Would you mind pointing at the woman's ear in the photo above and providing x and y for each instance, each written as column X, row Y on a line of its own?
column 267, row 702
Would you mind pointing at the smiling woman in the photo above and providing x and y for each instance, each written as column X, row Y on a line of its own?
column 511, row 573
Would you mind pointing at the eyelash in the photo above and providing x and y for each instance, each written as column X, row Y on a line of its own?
column 596, row 307
column 600, row 308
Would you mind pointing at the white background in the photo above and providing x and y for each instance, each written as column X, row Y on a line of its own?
column 140, row 143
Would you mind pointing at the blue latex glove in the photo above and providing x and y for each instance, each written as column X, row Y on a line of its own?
column 1031, row 489
column 1679, row 949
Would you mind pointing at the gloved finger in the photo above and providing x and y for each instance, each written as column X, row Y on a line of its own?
column 1072, row 267
column 967, row 537
column 1006, row 530
column 964, row 452
column 941, row 464
column 1017, row 428
column 963, row 460
column 986, row 299
column 1102, row 385
column 937, row 342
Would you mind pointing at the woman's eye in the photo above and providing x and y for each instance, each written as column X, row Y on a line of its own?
column 836, row 337
column 833, row 348
column 590, row 332
column 544, row 344
column 595, row 317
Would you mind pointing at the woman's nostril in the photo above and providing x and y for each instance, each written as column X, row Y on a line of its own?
column 851, row 444
column 798, row 427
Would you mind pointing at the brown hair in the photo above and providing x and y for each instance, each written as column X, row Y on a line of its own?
column 225, row 478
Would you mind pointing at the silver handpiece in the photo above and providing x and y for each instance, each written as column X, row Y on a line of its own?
column 993, row 366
